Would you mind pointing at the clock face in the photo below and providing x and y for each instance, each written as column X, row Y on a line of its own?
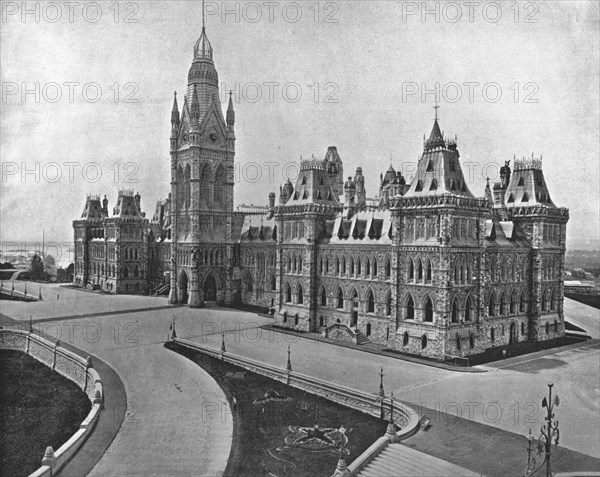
column 213, row 137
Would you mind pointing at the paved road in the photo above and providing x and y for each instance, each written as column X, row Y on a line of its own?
column 505, row 397
column 164, row 432
column 586, row 317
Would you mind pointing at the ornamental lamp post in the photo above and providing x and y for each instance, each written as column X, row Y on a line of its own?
column 549, row 434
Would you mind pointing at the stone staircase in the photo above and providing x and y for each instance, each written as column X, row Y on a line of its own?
column 397, row 460
column 361, row 339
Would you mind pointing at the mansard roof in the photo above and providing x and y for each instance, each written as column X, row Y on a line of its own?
column 527, row 186
column 312, row 185
column 439, row 171
column 365, row 227
column 258, row 228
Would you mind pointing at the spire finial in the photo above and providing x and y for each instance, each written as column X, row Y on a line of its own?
column 436, row 107
column 203, row 17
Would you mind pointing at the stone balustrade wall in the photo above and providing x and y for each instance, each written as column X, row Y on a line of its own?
column 73, row 367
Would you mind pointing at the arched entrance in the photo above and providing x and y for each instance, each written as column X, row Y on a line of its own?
column 210, row 289
column 183, row 288
column 354, row 309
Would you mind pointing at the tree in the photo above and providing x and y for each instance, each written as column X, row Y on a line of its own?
column 36, row 271
column 65, row 275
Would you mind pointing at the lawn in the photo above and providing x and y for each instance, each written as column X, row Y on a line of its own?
column 282, row 430
column 39, row 408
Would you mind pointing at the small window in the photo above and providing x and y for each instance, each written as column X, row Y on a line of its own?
column 472, row 341
column 285, row 316
column 492, row 334
column 458, row 342
column 296, row 318
column 405, row 339
column 423, row 341
column 321, row 321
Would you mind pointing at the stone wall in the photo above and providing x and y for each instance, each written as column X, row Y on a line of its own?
column 73, row 367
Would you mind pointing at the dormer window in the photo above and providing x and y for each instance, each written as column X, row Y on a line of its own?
column 319, row 194
column 305, row 195
column 304, row 180
column 525, row 197
column 321, row 181
column 433, row 185
column 452, row 166
column 430, row 166
column 521, row 182
column 511, row 198
column 419, row 187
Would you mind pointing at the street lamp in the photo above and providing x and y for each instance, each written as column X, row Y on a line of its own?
column 549, row 434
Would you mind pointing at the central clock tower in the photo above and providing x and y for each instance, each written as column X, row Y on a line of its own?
column 202, row 166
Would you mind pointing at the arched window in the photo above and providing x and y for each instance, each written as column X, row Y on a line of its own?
column 522, row 303
column 288, row 293
column 206, row 179
column 388, row 304
column 428, row 270
column 411, row 269
column 502, row 303
column 522, row 328
column 180, row 188
column 368, row 267
column 326, row 264
column 410, row 308
column 552, row 301
column 273, row 283
column 340, row 298
column 337, row 265
column 343, row 265
column 136, row 272
column 321, row 321
column 187, row 178
column 547, row 328
column 300, row 295
column 296, row 318
column 423, row 341
column 285, row 316
column 544, row 299
column 323, row 297
column 249, row 283
column 388, row 269
column 219, row 186
column 136, row 254
column 420, row 271
column 125, row 272
column 321, row 266
column 458, row 343
column 468, row 309
column 428, row 310
column 472, row 341
column 295, row 265
column 351, row 266
column 457, row 272
column 368, row 330
column 469, row 271
column 358, row 267
column 492, row 304
column 513, row 303
column 405, row 339
column 375, row 267
column 455, row 311
column 370, row 302
column 492, row 334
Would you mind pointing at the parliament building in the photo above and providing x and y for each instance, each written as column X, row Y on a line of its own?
column 426, row 268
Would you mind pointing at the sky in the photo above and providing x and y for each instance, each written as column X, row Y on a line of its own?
column 87, row 92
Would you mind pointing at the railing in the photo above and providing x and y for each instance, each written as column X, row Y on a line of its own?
column 73, row 367
column 369, row 403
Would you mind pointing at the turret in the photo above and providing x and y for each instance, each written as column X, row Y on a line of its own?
column 361, row 194
column 195, row 118
column 285, row 193
column 138, row 201
column 105, row 207
column 230, row 112
column 272, row 200
column 174, row 123
column 350, row 196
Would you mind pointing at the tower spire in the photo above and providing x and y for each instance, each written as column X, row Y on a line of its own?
column 436, row 107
